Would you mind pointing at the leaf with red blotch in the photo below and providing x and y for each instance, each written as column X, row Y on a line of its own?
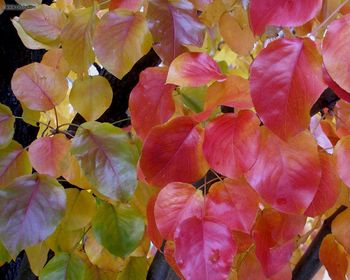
column 204, row 249
column 282, row 96
column 193, row 70
column 233, row 92
column 286, row 174
column 334, row 86
column 7, row 121
column 151, row 94
column 335, row 53
column 329, row 188
column 26, row 203
column 175, row 203
column 39, row 87
column 133, row 5
column 48, row 154
column 334, row 258
column 172, row 152
column 341, row 229
column 274, row 234
column 173, row 25
column 231, row 143
column 281, row 13
column 152, row 228
column 234, row 203
column 342, row 154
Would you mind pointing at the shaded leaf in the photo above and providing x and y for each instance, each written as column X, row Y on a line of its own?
column 342, row 150
column 63, row 240
column 135, row 269
column 341, row 229
column 7, row 121
column 4, row 254
column 37, row 257
column 30, row 200
column 334, row 86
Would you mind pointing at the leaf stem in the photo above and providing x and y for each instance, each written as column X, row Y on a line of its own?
column 122, row 120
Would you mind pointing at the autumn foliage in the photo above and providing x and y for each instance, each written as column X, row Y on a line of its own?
column 277, row 171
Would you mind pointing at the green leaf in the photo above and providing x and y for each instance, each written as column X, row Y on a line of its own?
column 118, row 228
column 31, row 207
column 107, row 158
column 4, row 254
column 7, row 121
column 136, row 269
column 14, row 162
column 193, row 98
column 64, row 266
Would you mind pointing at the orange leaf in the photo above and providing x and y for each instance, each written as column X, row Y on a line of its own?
column 341, row 229
column 342, row 154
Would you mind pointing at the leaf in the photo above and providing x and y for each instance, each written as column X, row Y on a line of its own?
column 2, row 6
column 334, row 86
column 329, row 188
column 181, row 158
column 48, row 154
column 30, row 116
column 135, row 269
column 37, row 257
column 193, row 97
column 341, row 229
column 107, row 158
column 334, row 54
column 64, row 266
column 91, row 97
column 342, row 150
column 193, row 70
column 14, row 162
column 333, row 257
column 30, row 200
column 39, row 87
column 231, row 143
column 234, row 203
column 75, row 175
column 173, row 25
column 204, row 249
column 342, row 117
column 274, row 234
column 250, row 267
column 7, row 121
column 77, row 39
column 289, row 172
column 4, row 254
column 29, row 2
column 281, row 13
column 121, row 39
column 282, row 96
column 43, row 23
column 175, row 203
column 151, row 94
column 54, row 58
column 152, row 229
column 118, row 228
column 81, row 208
column 320, row 136
column 133, row 5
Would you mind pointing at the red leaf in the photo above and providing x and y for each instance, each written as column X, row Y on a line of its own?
column 173, row 153
column 234, row 203
column 204, row 249
column 281, row 94
column 286, row 175
column 133, row 5
column 334, row 86
column 193, row 70
column 169, row 254
column 175, row 203
column 274, row 235
column 231, row 143
column 281, row 13
column 152, row 229
column 342, row 116
column 151, row 94
column 335, row 52
column 342, row 154
column 250, row 268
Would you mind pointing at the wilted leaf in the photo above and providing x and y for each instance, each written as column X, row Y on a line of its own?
column 39, row 87
column 151, row 94
column 281, row 95
column 30, row 200
column 107, row 158
column 181, row 158
column 118, row 228
column 7, row 121
column 91, row 97
column 37, row 257
column 135, row 269
column 121, row 39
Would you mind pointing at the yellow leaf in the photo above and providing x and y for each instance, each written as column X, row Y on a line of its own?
column 213, row 12
column 55, row 59
column 64, row 240
column 30, row 116
column 75, row 175
column 91, row 97
column 143, row 249
column 141, row 196
column 37, row 256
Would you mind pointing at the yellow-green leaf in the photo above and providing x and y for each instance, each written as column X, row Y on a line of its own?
column 63, row 240
column 7, row 120
column 135, row 269
column 30, row 116
column 4, row 254
column 91, row 97
column 121, row 39
column 37, row 257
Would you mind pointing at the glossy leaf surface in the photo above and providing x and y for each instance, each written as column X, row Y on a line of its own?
column 30, row 200
column 282, row 96
column 7, row 122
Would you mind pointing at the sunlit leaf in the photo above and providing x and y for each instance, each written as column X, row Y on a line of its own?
column 282, row 96
column 135, row 269
column 151, row 94
column 55, row 59
column 133, row 5
column 37, row 257
column 7, row 121
column 107, row 158
column 281, row 13
column 204, row 249
column 118, row 228
column 193, row 70
column 27, row 201
column 173, row 25
column 289, row 172
column 121, row 39
column 91, row 97
column 181, row 158
column 234, row 203
column 39, row 87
